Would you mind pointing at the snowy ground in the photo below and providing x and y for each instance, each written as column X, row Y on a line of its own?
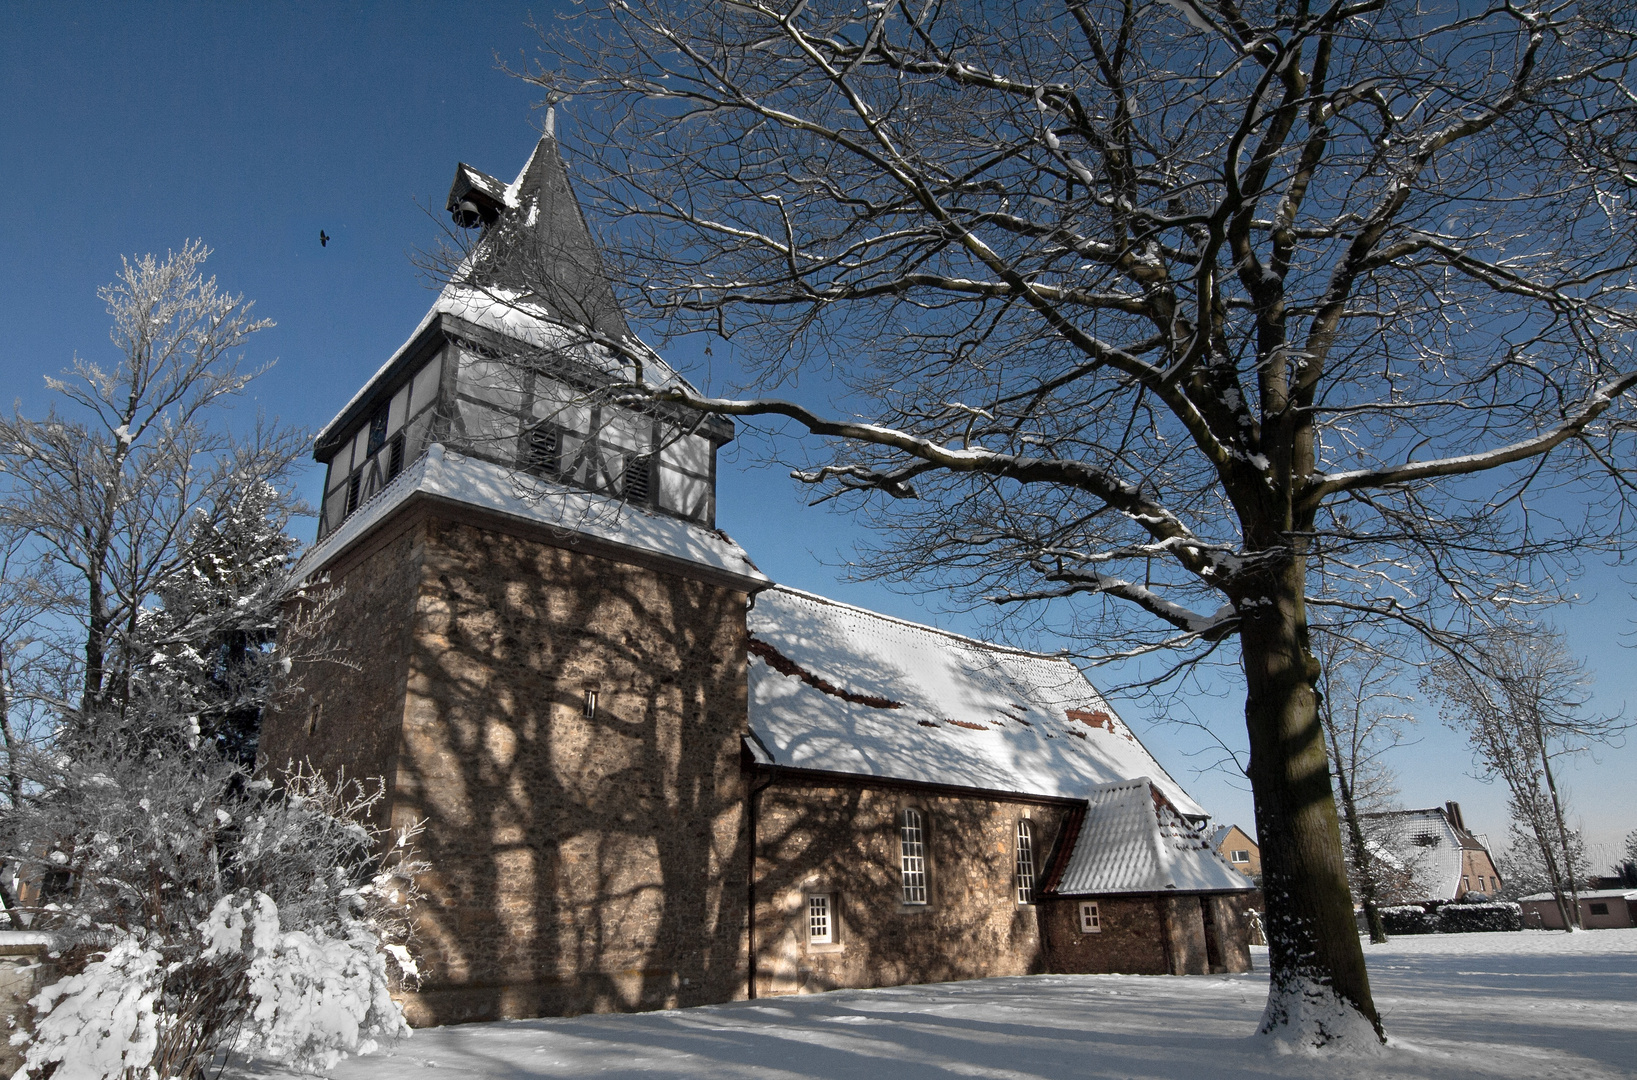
column 1524, row 1005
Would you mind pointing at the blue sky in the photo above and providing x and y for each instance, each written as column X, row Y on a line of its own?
column 131, row 128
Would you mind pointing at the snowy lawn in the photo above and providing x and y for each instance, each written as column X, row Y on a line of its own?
column 1525, row 1005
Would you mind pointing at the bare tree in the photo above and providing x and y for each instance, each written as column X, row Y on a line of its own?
column 106, row 494
column 1364, row 717
column 1171, row 319
column 1522, row 702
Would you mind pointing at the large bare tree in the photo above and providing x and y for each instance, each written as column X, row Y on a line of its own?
column 1365, row 717
column 1172, row 319
column 1521, row 699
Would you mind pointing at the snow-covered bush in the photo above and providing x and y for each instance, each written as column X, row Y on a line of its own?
column 1408, row 919
column 1479, row 918
column 210, row 912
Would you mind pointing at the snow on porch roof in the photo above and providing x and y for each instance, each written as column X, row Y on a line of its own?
column 1132, row 841
column 840, row 689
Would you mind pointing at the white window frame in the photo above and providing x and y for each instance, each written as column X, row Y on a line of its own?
column 588, row 707
column 821, row 919
column 912, row 866
column 1091, row 918
column 1023, row 864
column 1241, row 855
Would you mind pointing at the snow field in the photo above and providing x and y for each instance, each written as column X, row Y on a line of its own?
column 1531, row 1006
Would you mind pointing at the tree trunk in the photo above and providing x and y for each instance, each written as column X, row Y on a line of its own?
column 1361, row 863
column 1313, row 944
column 1568, row 871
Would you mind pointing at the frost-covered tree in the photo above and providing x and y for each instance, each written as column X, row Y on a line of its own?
column 1521, row 699
column 1168, row 319
column 108, row 488
column 203, row 912
column 1364, row 717
column 208, row 645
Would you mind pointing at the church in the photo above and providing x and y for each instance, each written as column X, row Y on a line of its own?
column 650, row 776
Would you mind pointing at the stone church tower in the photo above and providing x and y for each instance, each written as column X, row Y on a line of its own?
column 546, row 636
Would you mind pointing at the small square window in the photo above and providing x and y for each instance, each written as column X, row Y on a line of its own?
column 1091, row 921
column 589, row 708
column 820, row 919
column 1241, row 856
column 1599, row 908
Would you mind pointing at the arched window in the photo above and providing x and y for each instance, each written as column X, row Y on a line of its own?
column 912, row 856
column 1025, row 861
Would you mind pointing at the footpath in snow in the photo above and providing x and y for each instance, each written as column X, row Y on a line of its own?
column 1531, row 1005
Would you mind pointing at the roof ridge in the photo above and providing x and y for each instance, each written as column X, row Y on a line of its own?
column 987, row 645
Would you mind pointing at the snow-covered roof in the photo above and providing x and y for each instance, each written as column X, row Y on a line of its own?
column 1588, row 894
column 447, row 475
column 535, row 276
column 840, row 689
column 1130, row 841
column 1427, row 843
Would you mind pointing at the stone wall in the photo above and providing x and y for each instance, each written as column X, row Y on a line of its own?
column 842, row 840
column 27, row 966
column 1149, row 934
column 580, row 862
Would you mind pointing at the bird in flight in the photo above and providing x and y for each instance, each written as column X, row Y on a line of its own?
column 323, row 238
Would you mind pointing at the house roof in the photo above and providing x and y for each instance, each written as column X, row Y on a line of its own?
column 1426, row 842
column 534, row 275
column 1132, row 840
column 1591, row 894
column 840, row 689
column 580, row 516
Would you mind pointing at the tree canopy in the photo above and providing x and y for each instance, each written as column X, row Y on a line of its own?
column 1186, row 318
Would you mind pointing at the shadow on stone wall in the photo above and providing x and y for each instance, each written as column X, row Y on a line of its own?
column 582, row 862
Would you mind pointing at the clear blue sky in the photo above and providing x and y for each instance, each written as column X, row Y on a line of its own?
column 129, row 128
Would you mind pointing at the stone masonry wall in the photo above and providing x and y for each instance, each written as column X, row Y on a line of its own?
column 581, row 863
column 842, row 840
column 344, row 712
column 1149, row 935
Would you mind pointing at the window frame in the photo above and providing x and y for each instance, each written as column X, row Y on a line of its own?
column 1023, row 862
column 1091, row 917
column 913, row 879
column 1240, row 856
column 813, row 903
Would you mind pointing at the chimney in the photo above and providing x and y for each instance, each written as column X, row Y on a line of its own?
column 1453, row 809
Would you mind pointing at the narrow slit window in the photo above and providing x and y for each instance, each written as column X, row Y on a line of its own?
column 313, row 708
column 820, row 919
column 912, row 857
column 1091, row 920
column 353, row 488
column 1025, row 861
column 377, row 431
column 589, row 708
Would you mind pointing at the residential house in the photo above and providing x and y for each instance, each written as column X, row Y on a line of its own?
column 1234, row 844
column 1440, row 859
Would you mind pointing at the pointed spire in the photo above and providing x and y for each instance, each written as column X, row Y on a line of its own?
column 536, row 243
